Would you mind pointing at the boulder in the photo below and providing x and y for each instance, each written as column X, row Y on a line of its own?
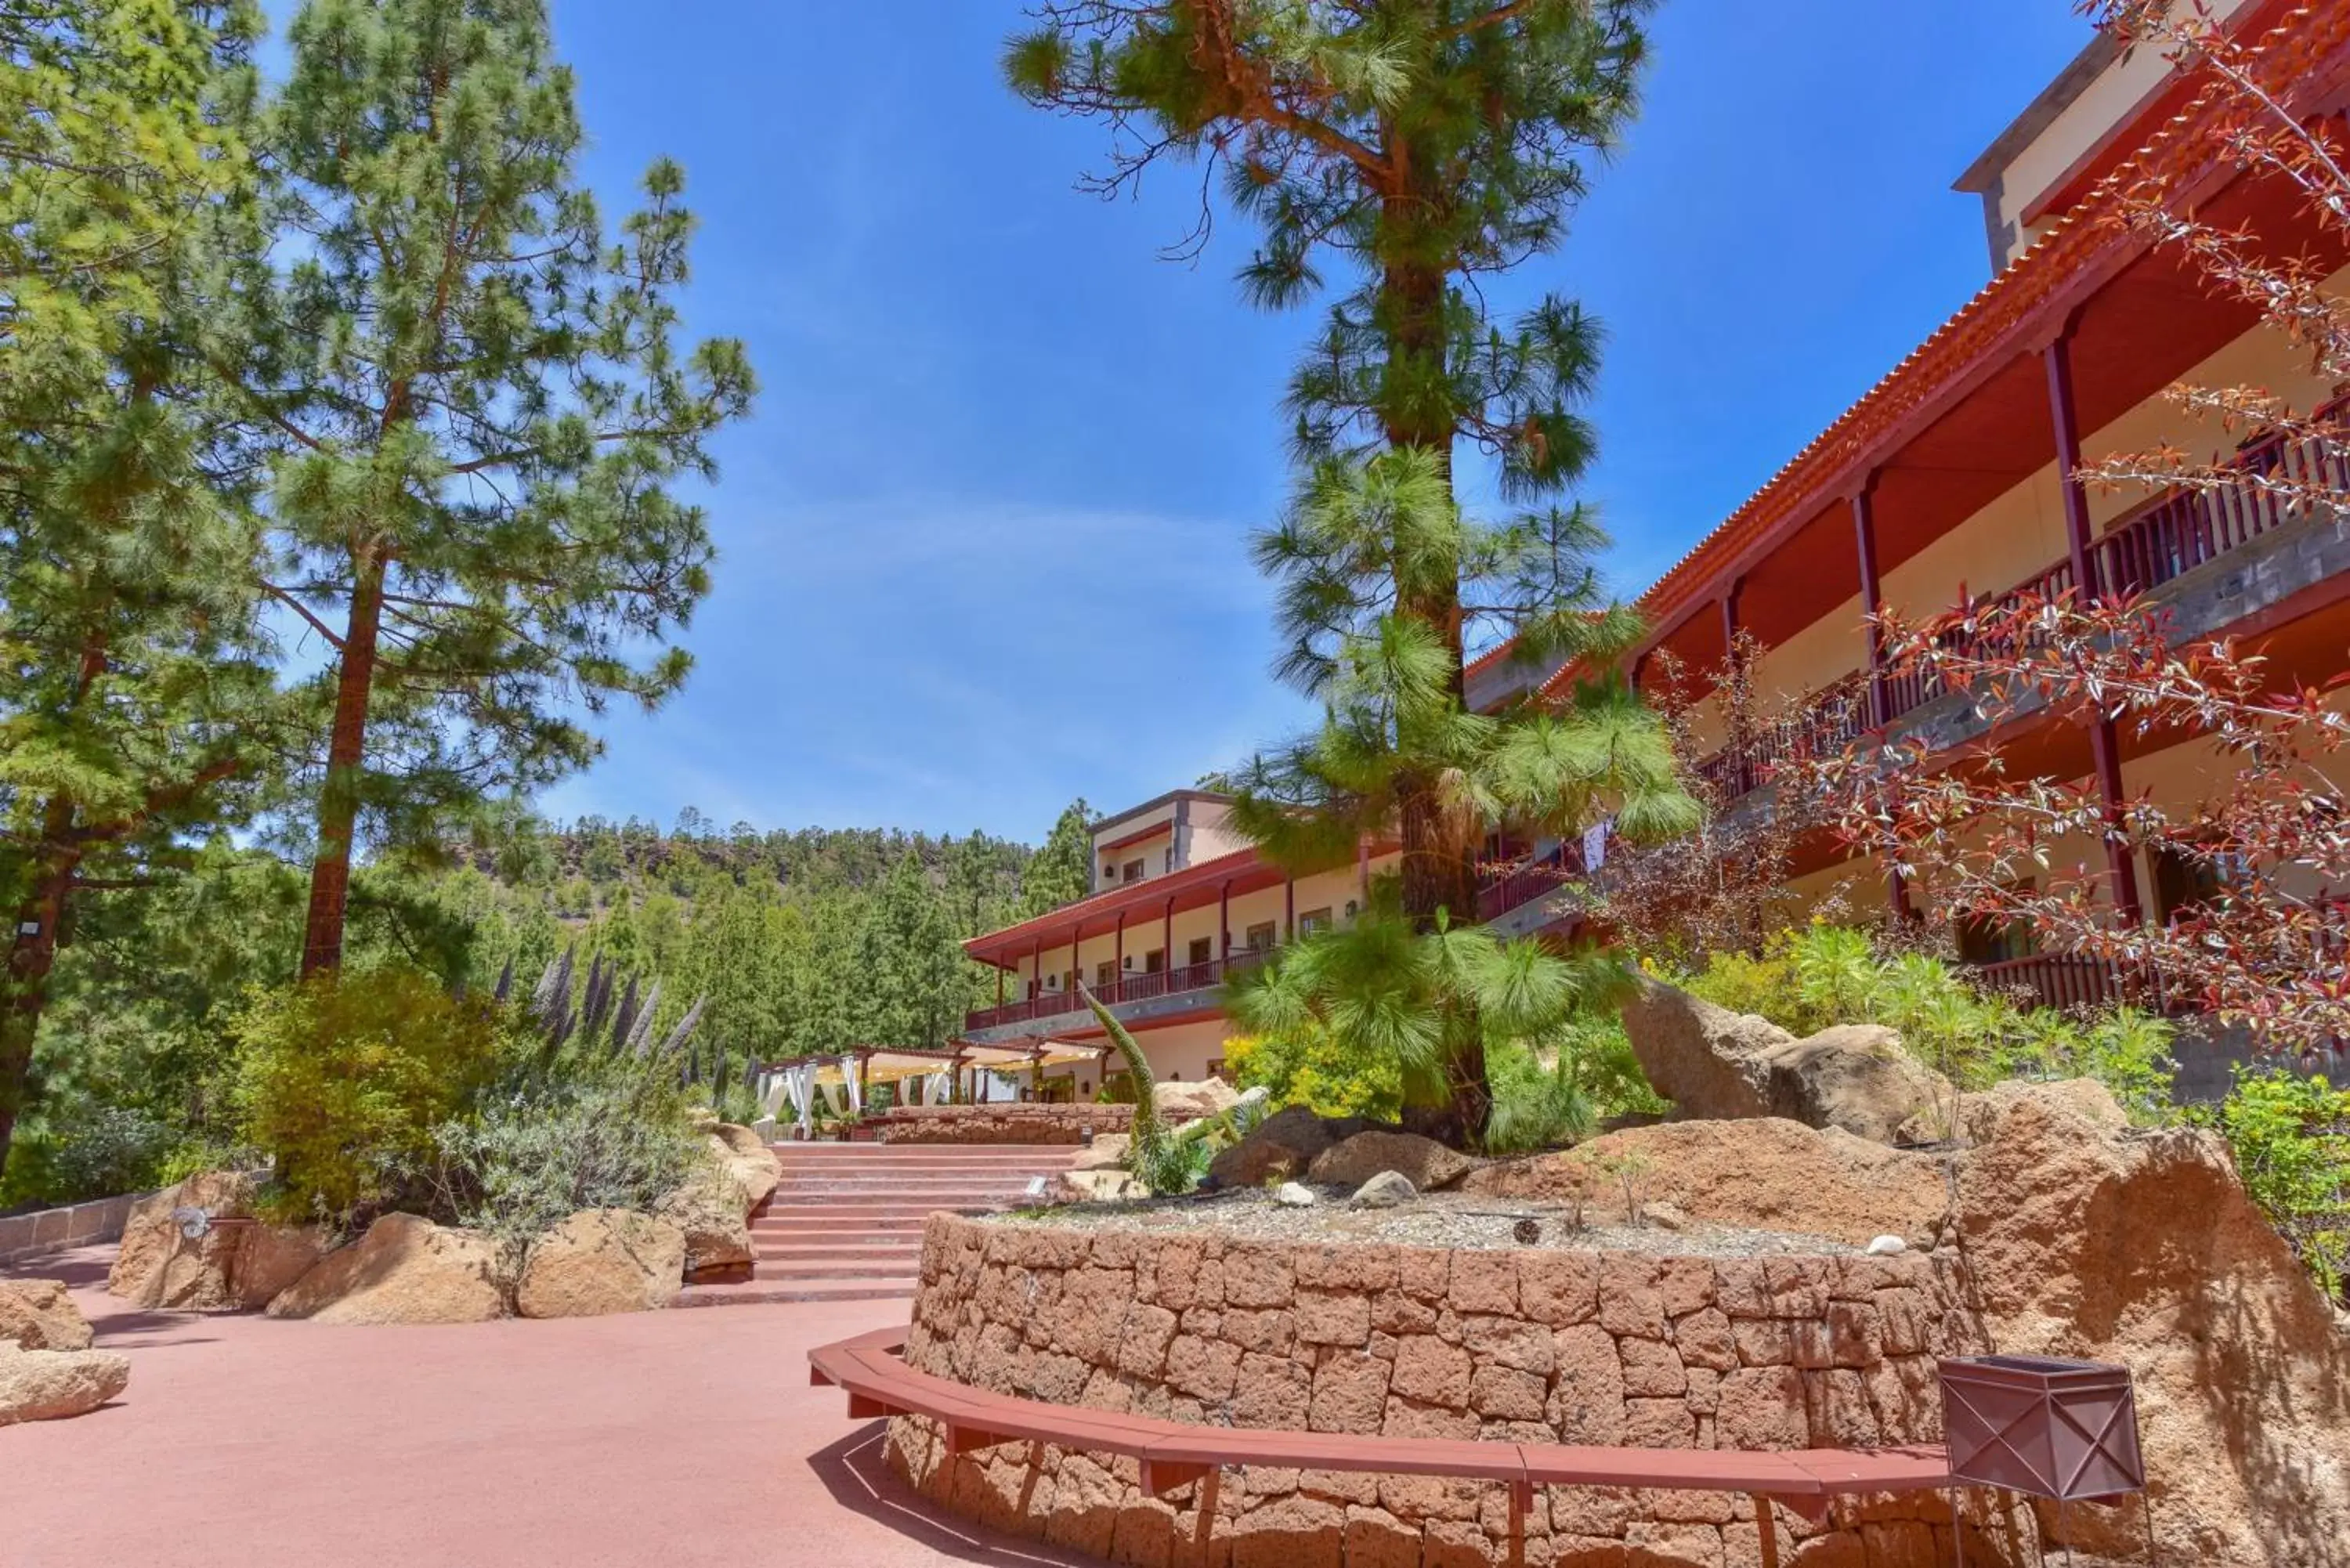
column 38, row 1314
column 2085, row 1237
column 1293, row 1195
column 1102, row 1186
column 269, row 1258
column 45, row 1385
column 1426, row 1164
column 748, row 1161
column 1770, row 1173
column 1178, row 1101
column 1716, row 1064
column 715, row 1221
column 172, row 1256
column 405, row 1269
column 1388, row 1189
column 1281, row 1147
column 602, row 1260
column 1106, row 1152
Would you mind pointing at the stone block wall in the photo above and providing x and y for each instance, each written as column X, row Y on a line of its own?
column 1011, row 1123
column 1535, row 1345
column 27, row 1236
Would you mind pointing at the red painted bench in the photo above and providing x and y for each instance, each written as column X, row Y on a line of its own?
column 872, row 1369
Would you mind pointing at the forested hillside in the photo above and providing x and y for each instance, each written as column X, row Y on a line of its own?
column 793, row 941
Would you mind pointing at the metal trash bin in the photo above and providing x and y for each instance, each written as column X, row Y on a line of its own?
column 2033, row 1424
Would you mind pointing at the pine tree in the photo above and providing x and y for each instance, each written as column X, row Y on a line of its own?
column 1061, row 871
column 480, row 416
column 1348, row 554
column 1426, row 146
column 136, row 701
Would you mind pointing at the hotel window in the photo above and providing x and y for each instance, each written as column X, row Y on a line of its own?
column 1155, row 961
column 1133, row 872
column 1202, row 950
column 1314, row 921
column 1260, row 937
column 2183, row 880
column 1105, row 975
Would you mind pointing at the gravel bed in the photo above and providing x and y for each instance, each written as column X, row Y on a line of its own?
column 1433, row 1219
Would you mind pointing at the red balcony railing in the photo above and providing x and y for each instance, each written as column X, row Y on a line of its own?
column 2061, row 980
column 1824, row 722
column 1125, row 988
column 1522, row 882
column 2169, row 536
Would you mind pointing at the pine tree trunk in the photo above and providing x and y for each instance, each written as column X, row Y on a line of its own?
column 1438, row 870
column 338, row 801
column 32, row 953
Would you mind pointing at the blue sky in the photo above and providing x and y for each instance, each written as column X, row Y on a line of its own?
column 983, row 545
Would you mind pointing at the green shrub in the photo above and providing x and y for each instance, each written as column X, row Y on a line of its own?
column 1823, row 975
column 1534, row 1106
column 613, row 1141
column 2291, row 1138
column 344, row 1077
column 1307, row 1067
column 83, row 1149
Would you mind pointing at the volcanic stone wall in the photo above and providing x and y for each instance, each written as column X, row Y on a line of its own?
column 1006, row 1124
column 1533, row 1345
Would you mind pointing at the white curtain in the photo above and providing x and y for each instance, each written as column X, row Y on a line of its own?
column 936, row 1085
column 852, row 1071
column 797, row 1087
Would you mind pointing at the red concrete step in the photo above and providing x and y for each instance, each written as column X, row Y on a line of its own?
column 758, row 1292
column 908, row 1226
column 835, row 1249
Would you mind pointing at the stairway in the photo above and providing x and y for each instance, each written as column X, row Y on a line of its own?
column 845, row 1220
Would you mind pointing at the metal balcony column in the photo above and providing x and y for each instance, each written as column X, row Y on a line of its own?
column 1872, row 599
column 2104, row 750
column 1225, row 921
column 1117, row 956
column 1167, row 942
column 1872, row 603
column 1288, row 909
column 1732, row 668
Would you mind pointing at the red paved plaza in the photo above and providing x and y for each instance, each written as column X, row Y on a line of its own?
column 677, row 1438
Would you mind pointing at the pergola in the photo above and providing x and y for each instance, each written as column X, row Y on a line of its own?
column 851, row 1071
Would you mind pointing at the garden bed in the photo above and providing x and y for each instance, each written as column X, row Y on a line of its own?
column 1230, row 1312
column 1462, row 1221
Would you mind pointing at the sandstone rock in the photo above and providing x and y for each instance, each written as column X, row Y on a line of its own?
column 747, row 1160
column 1180, row 1101
column 1295, row 1196
column 1388, row 1189
column 1717, row 1064
column 405, row 1269
column 1772, row 1174
column 1426, row 1164
column 1111, row 1186
column 709, row 1211
column 47, row 1385
column 602, row 1260
column 38, row 1314
column 269, row 1258
column 2087, row 1238
column 1280, row 1147
column 1106, row 1152
column 158, row 1264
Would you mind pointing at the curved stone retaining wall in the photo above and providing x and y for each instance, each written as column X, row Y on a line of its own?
column 1533, row 1344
